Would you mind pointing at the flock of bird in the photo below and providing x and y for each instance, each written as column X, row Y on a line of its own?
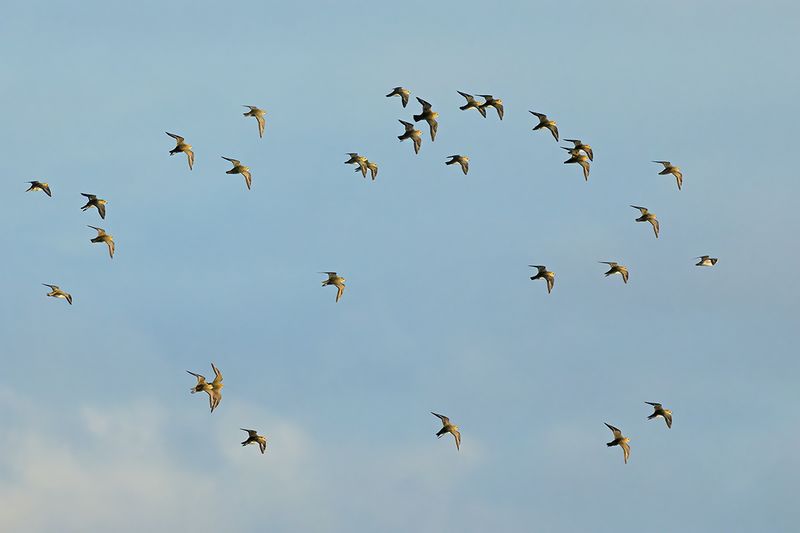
column 580, row 153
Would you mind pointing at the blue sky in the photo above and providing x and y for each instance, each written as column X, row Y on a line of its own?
column 100, row 431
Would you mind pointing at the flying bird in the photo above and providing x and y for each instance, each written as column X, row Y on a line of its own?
column 658, row 410
column 359, row 160
column 471, row 104
column 706, row 261
column 39, row 186
column 97, row 203
column 254, row 438
column 585, row 148
column 491, row 101
column 102, row 236
column 429, row 116
column 259, row 114
column 616, row 269
column 577, row 157
column 621, row 441
column 55, row 292
column 239, row 168
column 372, row 167
column 461, row 160
column 411, row 133
column 213, row 389
column 448, row 427
column 543, row 273
column 544, row 122
column 402, row 92
column 647, row 216
column 335, row 280
column 669, row 168
column 182, row 146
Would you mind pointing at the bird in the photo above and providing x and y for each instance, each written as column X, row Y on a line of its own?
column 213, row 389
column 658, row 410
column 491, row 101
column 254, row 438
column 544, row 122
column 239, row 168
column 706, row 261
column 259, row 114
column 182, row 146
column 102, row 236
column 411, row 133
column 39, row 186
column 448, row 427
column 372, row 167
column 461, row 160
column 543, row 273
column 429, row 116
column 471, row 104
column 669, row 168
column 56, row 292
column 647, row 216
column 402, row 92
column 585, row 148
column 621, row 441
column 335, row 280
column 616, row 269
column 577, row 157
column 359, row 160
column 94, row 201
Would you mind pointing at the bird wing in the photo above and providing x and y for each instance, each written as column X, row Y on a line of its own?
column 642, row 209
column 89, row 196
column 626, row 450
column 425, row 105
column 443, row 418
column 464, row 165
column 668, row 418
column 247, row 178
column 217, row 375
column 654, row 404
column 616, row 431
column 457, row 435
column 100, row 231
column 261, row 123
column 541, row 116
column 176, row 137
column 54, row 287
column 340, row 291
column 235, row 162
column 101, row 208
column 655, row 224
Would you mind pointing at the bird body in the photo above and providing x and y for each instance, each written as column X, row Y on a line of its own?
column 669, row 168
column 616, row 269
column 104, row 237
column 97, row 203
column 461, row 160
column 658, row 410
column 402, row 92
column 39, row 186
column 448, row 427
column 259, row 115
column 647, row 216
column 335, row 280
column 254, row 438
column 182, row 146
column 546, row 275
column 56, row 292
column 239, row 168
column 621, row 441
